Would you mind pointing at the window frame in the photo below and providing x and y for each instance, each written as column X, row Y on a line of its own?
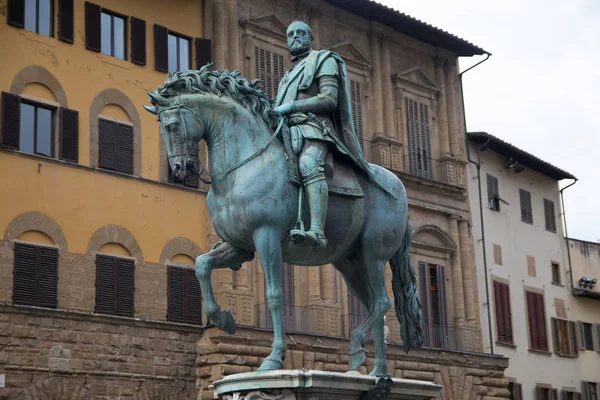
column 555, row 270
column 53, row 110
column 37, row 18
column 550, row 215
column 112, row 16
column 559, row 326
column 587, row 342
column 185, row 271
column 537, row 346
column 419, row 137
column 36, row 283
column 493, row 192
column 117, row 304
column 179, row 36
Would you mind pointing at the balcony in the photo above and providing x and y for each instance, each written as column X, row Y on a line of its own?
column 392, row 155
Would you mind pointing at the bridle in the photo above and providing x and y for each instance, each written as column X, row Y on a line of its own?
column 187, row 154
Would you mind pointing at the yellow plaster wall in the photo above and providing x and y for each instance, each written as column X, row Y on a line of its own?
column 83, row 73
column 36, row 237
column 182, row 259
column 114, row 112
column 115, row 249
column 39, row 91
column 81, row 200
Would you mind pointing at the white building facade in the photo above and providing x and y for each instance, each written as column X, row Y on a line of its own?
column 525, row 302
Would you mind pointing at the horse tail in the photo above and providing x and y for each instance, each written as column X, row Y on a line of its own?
column 406, row 299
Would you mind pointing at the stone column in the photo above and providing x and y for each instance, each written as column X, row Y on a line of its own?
column 386, row 83
column 314, row 283
column 442, row 107
column 220, row 30
column 314, row 15
column 376, row 114
column 208, row 19
column 467, row 270
column 451, row 99
column 234, row 39
column 327, row 283
column 457, row 274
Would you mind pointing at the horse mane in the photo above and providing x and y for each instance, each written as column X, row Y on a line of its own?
column 249, row 94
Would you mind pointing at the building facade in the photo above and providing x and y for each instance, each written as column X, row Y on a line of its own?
column 528, row 313
column 91, row 295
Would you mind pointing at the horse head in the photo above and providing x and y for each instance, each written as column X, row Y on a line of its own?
column 181, row 129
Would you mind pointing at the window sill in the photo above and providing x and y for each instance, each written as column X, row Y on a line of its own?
column 507, row 345
column 557, row 284
column 567, row 355
column 39, row 38
column 541, row 352
column 117, row 62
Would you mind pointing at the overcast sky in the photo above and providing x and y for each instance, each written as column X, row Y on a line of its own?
column 540, row 90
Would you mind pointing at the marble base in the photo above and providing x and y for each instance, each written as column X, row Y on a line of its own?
column 320, row 385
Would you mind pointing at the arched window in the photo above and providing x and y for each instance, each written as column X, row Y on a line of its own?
column 36, row 118
column 114, row 280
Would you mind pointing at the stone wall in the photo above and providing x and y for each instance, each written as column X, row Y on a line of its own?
column 465, row 376
column 56, row 354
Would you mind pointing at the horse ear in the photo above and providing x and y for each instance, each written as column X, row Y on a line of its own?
column 151, row 109
column 156, row 98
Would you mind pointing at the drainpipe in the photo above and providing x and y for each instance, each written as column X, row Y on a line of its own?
column 562, row 201
column 478, row 165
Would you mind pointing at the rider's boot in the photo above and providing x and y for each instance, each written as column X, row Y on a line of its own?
column 317, row 193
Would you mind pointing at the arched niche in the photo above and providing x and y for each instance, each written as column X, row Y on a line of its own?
column 39, row 75
column 35, row 222
column 114, row 234
column 177, row 248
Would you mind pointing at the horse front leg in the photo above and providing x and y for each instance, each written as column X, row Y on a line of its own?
column 224, row 256
column 267, row 242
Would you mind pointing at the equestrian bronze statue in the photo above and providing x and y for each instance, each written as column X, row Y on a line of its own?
column 356, row 213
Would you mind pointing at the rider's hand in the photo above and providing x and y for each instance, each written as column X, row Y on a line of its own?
column 284, row 109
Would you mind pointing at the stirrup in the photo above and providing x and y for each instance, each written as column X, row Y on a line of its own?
column 298, row 234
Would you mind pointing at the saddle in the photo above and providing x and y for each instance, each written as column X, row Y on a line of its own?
column 341, row 178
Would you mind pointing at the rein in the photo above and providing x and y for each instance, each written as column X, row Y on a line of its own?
column 237, row 165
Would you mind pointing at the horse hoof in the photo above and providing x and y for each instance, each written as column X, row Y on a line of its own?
column 270, row 365
column 224, row 321
column 356, row 359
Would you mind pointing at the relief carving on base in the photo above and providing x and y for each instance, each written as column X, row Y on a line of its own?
column 274, row 394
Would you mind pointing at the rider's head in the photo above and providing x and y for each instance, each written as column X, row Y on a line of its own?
column 299, row 38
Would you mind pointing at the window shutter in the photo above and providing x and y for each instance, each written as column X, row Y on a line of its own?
column 125, row 148
column 66, row 24
column 125, row 287
column 441, row 293
column 523, row 202
column 499, row 312
column 519, row 391
column 270, row 71
column 193, row 298
column 138, row 41
column 424, row 291
column 24, row 275
column 357, row 118
column 490, row 188
column 539, row 394
column 161, row 48
column 11, row 120
column 16, row 13
column 555, row 335
column 47, row 277
column 552, row 217
column 541, row 314
column 507, row 313
column 93, row 32
column 106, row 284
column 580, row 335
column 425, row 140
column 584, row 391
column 413, row 142
column 533, row 328
column 573, row 338
column 288, row 285
column 203, row 52
column 107, row 137
column 554, row 394
column 597, row 329
column 175, row 294
column 69, row 135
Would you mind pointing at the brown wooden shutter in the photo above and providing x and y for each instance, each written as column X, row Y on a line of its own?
column 193, row 298
column 16, row 13
column 69, row 135
column 533, row 329
column 11, row 120
column 161, row 48
column 47, row 277
column 499, row 312
column 25, row 274
column 597, row 327
column 66, row 25
column 93, row 32
column 424, row 291
column 125, row 148
column 125, row 287
column 203, row 52
column 106, row 284
column 541, row 315
column 555, row 335
column 270, row 71
column 138, row 41
column 573, row 338
column 357, row 117
column 441, row 293
column 107, row 143
column 175, row 294
column 554, row 394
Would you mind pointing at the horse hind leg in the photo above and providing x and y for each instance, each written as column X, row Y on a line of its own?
column 357, row 283
column 224, row 256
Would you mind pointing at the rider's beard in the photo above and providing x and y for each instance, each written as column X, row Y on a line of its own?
column 299, row 47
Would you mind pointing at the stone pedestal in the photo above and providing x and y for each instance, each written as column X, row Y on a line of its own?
column 320, row 385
